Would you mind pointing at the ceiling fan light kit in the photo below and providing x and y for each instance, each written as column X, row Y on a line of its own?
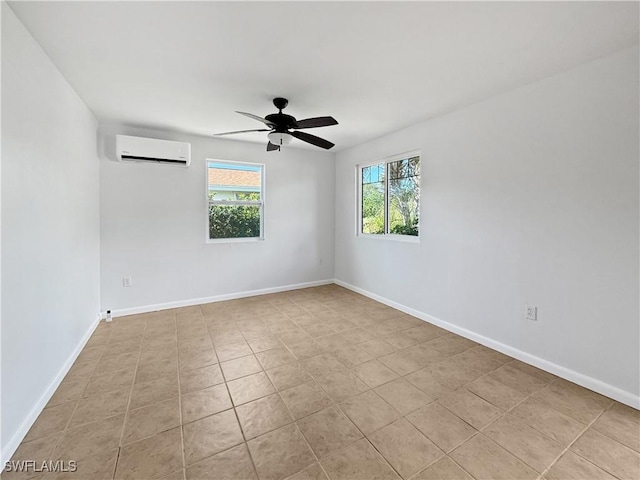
column 284, row 128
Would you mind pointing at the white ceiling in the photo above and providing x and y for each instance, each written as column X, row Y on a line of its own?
column 376, row 67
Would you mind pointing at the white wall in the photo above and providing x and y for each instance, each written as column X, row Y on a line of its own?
column 50, row 228
column 529, row 197
column 154, row 224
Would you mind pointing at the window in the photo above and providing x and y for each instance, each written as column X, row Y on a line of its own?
column 235, row 193
column 389, row 196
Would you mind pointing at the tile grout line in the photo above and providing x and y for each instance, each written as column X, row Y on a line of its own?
column 582, row 432
column 126, row 415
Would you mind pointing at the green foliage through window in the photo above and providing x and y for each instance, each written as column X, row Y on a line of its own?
column 235, row 200
column 234, row 221
column 391, row 205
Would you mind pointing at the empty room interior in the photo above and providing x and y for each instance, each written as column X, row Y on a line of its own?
column 320, row 240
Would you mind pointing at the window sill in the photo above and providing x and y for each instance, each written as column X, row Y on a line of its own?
column 235, row 240
column 390, row 236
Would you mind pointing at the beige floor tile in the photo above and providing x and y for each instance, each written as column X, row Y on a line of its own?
column 555, row 425
column 155, row 369
column 471, row 408
column 351, row 355
column 109, row 381
column 305, row 349
column 155, row 355
column 340, row 385
column 100, row 466
column 400, row 340
column 574, row 401
column 90, row 439
column 401, row 363
column 67, row 392
column 250, row 388
column 518, row 380
column 122, row 361
column 210, row 435
column 369, row 411
column 328, row 431
column 443, row 469
column 263, row 415
column 574, row 467
column 233, row 351
column 440, row 426
column 240, row 367
column 288, row 376
column 52, row 420
column 451, row 344
column 318, row 330
column 374, row 373
column 452, row 374
column 358, row 462
column 294, row 336
column 146, row 421
column 91, row 354
column 97, row 407
column 532, row 447
column 200, row 378
column 177, row 475
column 199, row 359
column 404, row 447
column 495, row 392
column 322, row 364
column 38, row 450
column 264, row 342
column 429, row 383
column 315, row 347
column 357, row 335
column 232, row 464
column 622, row 424
column 162, row 388
column 483, row 458
column 205, row 402
column 305, row 399
column 377, row 347
column 608, row 454
column 423, row 354
column 314, row 472
column 276, row 358
column 533, row 371
column 280, row 453
column 152, row 457
column 403, row 396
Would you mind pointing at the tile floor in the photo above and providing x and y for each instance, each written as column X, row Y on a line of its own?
column 314, row 384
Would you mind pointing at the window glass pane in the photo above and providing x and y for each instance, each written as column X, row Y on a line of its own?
column 234, row 221
column 234, row 182
column 404, row 196
column 373, row 199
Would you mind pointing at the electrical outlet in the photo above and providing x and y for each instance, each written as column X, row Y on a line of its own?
column 531, row 312
column 126, row 281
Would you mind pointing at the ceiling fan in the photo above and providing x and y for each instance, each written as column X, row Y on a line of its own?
column 284, row 128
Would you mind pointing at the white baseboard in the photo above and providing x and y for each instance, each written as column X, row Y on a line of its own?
column 591, row 383
column 216, row 298
column 26, row 424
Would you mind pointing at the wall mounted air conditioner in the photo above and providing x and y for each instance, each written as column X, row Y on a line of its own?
column 139, row 149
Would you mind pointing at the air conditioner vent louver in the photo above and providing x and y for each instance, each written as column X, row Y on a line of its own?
column 140, row 149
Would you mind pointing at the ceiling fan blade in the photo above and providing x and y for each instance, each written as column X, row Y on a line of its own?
column 313, row 140
column 241, row 131
column 260, row 119
column 271, row 147
column 315, row 122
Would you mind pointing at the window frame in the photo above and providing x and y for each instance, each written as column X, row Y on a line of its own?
column 260, row 203
column 386, row 235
